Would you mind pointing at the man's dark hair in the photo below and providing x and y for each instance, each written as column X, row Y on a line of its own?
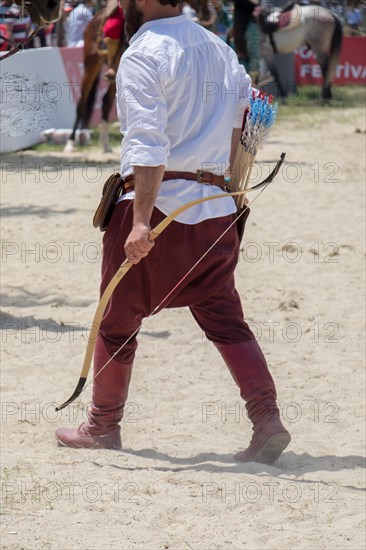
column 172, row 3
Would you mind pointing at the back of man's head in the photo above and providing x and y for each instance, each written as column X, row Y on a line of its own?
column 172, row 3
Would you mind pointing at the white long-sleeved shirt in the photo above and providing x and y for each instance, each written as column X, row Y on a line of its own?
column 76, row 24
column 180, row 92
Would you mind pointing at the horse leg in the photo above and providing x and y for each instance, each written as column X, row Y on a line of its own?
column 104, row 137
column 89, row 105
column 108, row 100
column 335, row 51
column 107, row 104
column 93, row 66
column 69, row 147
column 323, row 59
column 272, row 68
column 327, row 83
column 283, row 91
column 70, row 143
column 327, row 54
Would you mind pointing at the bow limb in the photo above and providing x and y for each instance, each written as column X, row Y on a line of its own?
column 122, row 270
column 125, row 267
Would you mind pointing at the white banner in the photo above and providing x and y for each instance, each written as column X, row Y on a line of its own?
column 51, row 87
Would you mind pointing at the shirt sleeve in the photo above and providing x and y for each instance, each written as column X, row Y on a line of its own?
column 245, row 87
column 143, row 110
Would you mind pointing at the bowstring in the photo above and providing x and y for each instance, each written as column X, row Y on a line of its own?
column 155, row 310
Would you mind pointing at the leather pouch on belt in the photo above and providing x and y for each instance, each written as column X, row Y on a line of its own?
column 111, row 191
column 240, row 224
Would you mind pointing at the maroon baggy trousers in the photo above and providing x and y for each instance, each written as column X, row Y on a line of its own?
column 209, row 290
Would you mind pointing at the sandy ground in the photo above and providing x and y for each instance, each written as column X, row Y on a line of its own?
column 176, row 484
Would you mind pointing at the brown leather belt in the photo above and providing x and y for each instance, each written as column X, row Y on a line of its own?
column 200, row 176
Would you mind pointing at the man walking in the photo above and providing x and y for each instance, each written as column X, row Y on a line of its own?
column 181, row 95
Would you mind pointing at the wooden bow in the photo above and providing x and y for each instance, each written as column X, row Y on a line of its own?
column 125, row 267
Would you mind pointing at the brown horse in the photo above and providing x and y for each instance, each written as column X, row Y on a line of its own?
column 94, row 59
column 42, row 12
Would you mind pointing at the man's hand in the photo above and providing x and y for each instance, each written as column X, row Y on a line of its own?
column 147, row 183
column 137, row 245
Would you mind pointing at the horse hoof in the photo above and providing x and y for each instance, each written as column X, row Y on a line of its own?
column 325, row 101
column 69, row 147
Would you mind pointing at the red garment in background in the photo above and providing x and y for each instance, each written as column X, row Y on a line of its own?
column 113, row 27
column 4, row 35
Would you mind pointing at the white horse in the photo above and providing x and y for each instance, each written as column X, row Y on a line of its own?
column 298, row 26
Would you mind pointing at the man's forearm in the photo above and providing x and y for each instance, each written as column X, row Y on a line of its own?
column 147, row 184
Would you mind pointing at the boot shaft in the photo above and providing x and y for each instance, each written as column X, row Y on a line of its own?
column 249, row 369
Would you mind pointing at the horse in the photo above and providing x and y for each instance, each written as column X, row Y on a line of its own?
column 42, row 12
column 297, row 26
column 94, row 59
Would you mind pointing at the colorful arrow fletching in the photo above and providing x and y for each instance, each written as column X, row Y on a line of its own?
column 259, row 121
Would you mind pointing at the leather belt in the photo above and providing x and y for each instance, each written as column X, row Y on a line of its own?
column 200, row 176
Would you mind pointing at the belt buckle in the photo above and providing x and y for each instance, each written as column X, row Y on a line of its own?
column 199, row 174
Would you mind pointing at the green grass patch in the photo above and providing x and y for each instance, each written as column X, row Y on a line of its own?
column 115, row 138
column 307, row 100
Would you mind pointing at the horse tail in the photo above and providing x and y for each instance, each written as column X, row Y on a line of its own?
column 335, row 48
column 90, row 104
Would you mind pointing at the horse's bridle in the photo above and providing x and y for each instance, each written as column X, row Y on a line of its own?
column 17, row 47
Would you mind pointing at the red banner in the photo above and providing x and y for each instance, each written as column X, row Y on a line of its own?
column 351, row 68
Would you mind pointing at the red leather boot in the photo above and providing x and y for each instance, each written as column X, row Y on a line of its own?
column 248, row 367
column 110, row 389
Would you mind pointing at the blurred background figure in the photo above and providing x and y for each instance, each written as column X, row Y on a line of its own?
column 8, row 11
column 62, row 25
column 225, row 12
column 353, row 18
column 77, row 21
column 207, row 14
column 202, row 12
column 4, row 35
column 15, row 26
column 189, row 11
column 7, row 15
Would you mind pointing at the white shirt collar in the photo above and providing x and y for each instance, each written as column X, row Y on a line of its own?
column 155, row 22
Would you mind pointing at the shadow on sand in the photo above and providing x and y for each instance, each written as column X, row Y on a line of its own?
column 289, row 467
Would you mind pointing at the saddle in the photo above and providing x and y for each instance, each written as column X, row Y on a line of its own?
column 286, row 19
